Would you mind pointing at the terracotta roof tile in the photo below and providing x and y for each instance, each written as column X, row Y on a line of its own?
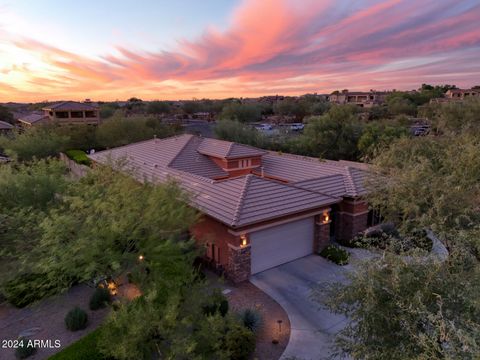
column 71, row 105
column 189, row 160
column 32, row 118
column 227, row 149
column 5, row 126
column 243, row 200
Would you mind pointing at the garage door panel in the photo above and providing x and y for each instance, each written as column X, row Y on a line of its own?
column 280, row 244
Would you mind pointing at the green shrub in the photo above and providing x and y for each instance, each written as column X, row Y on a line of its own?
column 338, row 255
column 24, row 349
column 84, row 349
column 240, row 342
column 76, row 319
column 100, row 298
column 218, row 303
column 251, row 319
column 79, row 156
column 26, row 289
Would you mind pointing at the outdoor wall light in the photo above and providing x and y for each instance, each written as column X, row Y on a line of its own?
column 243, row 239
column 325, row 217
column 141, row 257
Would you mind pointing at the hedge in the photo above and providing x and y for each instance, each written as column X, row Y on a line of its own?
column 338, row 255
column 78, row 156
column 83, row 349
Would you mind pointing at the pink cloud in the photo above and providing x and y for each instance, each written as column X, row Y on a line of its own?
column 283, row 46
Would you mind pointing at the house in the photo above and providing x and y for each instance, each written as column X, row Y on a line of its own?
column 72, row 112
column 64, row 113
column 461, row 94
column 259, row 208
column 5, row 127
column 361, row 99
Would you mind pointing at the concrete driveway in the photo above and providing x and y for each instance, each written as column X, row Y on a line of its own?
column 312, row 328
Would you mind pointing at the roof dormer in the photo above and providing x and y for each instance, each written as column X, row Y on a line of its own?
column 236, row 159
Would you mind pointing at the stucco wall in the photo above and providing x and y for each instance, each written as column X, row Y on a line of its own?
column 208, row 230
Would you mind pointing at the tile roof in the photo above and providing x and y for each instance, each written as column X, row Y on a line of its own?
column 5, row 126
column 32, row 118
column 263, row 199
column 71, row 105
column 227, row 149
column 242, row 200
column 190, row 160
column 333, row 185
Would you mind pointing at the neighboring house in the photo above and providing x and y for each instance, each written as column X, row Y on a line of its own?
column 259, row 208
column 72, row 112
column 5, row 127
column 361, row 99
column 202, row 115
column 461, row 94
column 64, row 113
column 456, row 95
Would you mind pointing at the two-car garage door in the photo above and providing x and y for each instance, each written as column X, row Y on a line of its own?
column 280, row 244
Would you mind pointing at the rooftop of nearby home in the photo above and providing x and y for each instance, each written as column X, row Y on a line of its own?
column 32, row 118
column 5, row 125
column 71, row 106
column 238, row 184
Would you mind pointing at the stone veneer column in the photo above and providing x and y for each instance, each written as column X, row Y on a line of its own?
column 322, row 234
column 238, row 268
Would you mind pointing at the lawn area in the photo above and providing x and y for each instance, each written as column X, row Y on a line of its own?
column 83, row 349
column 78, row 156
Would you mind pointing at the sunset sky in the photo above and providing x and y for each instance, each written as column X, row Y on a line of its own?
column 107, row 50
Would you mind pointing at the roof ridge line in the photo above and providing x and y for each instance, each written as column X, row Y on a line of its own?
column 135, row 143
column 230, row 148
column 351, row 184
column 182, row 148
column 236, row 214
column 191, row 176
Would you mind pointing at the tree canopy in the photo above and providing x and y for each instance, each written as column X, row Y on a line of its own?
column 241, row 112
column 97, row 226
column 158, row 107
column 334, row 135
column 39, row 142
column 6, row 115
column 119, row 130
column 408, row 305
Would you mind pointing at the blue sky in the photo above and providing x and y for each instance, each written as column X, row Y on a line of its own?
column 96, row 26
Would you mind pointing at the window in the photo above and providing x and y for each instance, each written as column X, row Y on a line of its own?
column 245, row 163
column 76, row 114
column 61, row 114
column 90, row 114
